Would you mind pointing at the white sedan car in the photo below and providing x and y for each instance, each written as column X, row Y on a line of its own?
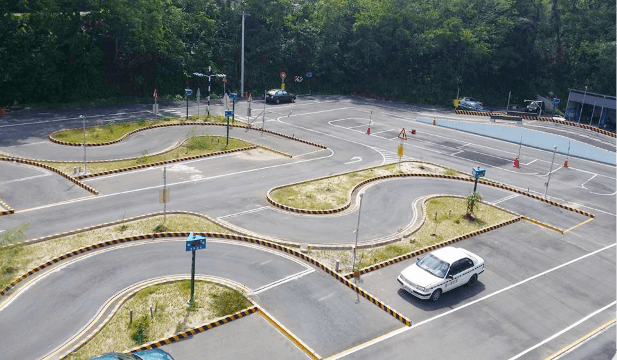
column 441, row 271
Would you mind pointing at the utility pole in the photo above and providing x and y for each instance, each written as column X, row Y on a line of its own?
column 242, row 58
column 84, row 144
column 551, row 171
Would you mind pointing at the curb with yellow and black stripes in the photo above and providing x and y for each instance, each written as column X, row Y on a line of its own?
column 60, row 142
column 7, row 208
column 47, row 167
column 269, row 244
column 188, row 333
column 538, row 118
column 452, row 177
column 433, row 247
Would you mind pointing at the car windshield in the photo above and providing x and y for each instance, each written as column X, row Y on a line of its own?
column 434, row 265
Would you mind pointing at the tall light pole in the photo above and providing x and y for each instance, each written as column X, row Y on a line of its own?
column 582, row 105
column 551, row 171
column 357, row 231
column 84, row 144
column 242, row 58
column 209, row 83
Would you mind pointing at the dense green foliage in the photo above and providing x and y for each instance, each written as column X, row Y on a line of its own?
column 421, row 50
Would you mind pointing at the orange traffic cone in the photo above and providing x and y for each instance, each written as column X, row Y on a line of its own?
column 516, row 163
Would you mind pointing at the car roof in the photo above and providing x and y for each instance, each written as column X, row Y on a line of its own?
column 449, row 254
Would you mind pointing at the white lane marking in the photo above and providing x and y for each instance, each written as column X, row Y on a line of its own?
column 531, row 162
column 405, row 329
column 354, row 159
column 34, row 143
column 595, row 193
column 69, row 119
column 242, row 212
column 26, row 178
column 281, row 281
column 505, row 199
column 325, row 297
column 563, row 331
column 458, row 152
column 177, row 183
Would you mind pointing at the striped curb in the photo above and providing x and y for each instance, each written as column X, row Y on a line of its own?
column 47, row 167
column 462, row 178
column 187, row 334
column 134, row 289
column 539, row 118
column 432, row 247
column 117, row 222
column 348, row 204
column 54, row 140
column 158, row 163
column 550, row 227
column 250, row 240
column 8, row 209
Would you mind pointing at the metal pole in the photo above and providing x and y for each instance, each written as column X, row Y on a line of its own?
column 357, row 231
column 233, row 110
column 582, row 106
column 600, row 118
column 263, row 118
column 192, row 300
column 242, row 59
column 227, row 143
column 567, row 104
column 519, row 148
column 187, row 107
column 209, row 84
column 164, row 194
column 551, row 171
column 84, row 144
column 508, row 106
column 592, row 112
column 475, row 186
column 568, row 155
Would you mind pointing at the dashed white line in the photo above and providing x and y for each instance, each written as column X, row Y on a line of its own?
column 26, row 178
column 281, row 281
column 243, row 212
column 505, row 199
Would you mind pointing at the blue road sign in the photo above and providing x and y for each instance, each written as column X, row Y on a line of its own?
column 195, row 242
column 188, row 92
column 229, row 113
column 233, row 96
column 309, row 74
column 478, row 172
column 199, row 74
column 556, row 101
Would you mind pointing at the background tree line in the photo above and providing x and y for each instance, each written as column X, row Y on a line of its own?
column 420, row 51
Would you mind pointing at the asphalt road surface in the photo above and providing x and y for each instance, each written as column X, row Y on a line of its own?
column 541, row 290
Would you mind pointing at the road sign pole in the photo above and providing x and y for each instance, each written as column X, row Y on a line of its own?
column 227, row 143
column 164, row 194
column 84, row 144
column 192, row 300
column 209, row 84
column 233, row 117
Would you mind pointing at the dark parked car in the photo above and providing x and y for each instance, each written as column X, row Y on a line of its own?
column 278, row 96
column 152, row 354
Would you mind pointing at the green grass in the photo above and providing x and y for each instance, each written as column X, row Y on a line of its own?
column 445, row 226
column 194, row 146
column 14, row 261
column 171, row 315
column 333, row 192
column 111, row 131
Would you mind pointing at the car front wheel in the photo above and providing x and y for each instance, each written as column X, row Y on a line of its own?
column 473, row 280
column 278, row 101
column 293, row 100
column 436, row 295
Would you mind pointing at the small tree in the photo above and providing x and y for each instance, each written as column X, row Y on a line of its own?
column 472, row 199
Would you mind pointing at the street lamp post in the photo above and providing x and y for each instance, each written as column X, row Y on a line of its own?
column 209, row 84
column 357, row 231
column 582, row 106
column 84, row 144
column 551, row 171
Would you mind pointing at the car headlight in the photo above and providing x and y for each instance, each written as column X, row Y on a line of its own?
column 421, row 288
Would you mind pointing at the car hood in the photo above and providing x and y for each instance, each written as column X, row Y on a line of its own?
column 418, row 276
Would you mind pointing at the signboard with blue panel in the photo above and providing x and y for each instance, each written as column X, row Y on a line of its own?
column 195, row 242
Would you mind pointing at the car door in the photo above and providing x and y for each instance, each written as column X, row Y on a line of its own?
column 452, row 276
column 285, row 96
column 465, row 271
